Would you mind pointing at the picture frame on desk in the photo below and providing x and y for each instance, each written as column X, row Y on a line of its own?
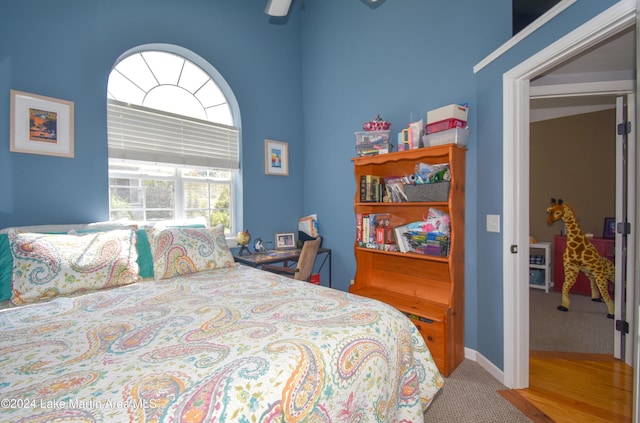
column 609, row 228
column 285, row 240
column 41, row 125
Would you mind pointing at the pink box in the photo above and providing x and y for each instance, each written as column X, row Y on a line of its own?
column 443, row 125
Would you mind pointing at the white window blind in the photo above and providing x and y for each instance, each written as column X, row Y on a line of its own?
column 140, row 133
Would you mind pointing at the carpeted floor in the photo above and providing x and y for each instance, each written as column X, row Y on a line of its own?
column 470, row 395
column 585, row 328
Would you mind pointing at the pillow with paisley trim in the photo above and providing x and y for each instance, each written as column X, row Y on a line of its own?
column 49, row 265
column 180, row 250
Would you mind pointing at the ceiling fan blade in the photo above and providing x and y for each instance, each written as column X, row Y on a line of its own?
column 277, row 7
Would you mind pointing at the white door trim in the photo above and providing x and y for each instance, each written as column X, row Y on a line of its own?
column 516, row 177
column 625, row 311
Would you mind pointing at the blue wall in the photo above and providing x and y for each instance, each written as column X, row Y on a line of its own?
column 400, row 60
column 490, row 143
column 66, row 49
column 310, row 80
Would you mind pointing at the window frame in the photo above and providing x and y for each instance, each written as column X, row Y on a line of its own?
column 236, row 197
column 179, row 179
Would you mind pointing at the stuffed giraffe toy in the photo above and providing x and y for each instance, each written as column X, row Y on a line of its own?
column 581, row 256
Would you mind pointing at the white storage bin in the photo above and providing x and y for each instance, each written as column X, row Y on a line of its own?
column 452, row 111
column 457, row 136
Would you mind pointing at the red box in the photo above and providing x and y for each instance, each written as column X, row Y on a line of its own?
column 443, row 125
column 315, row 279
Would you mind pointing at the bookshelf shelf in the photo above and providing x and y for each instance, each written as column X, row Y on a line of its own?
column 412, row 255
column 428, row 288
column 442, row 204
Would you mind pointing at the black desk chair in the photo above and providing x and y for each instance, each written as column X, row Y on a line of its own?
column 304, row 267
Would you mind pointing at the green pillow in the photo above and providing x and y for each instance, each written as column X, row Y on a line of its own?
column 6, row 268
column 145, row 259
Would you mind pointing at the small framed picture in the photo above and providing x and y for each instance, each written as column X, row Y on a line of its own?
column 285, row 240
column 609, row 229
column 41, row 125
column 276, row 158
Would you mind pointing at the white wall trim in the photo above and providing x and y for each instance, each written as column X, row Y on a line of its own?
column 491, row 368
column 531, row 28
column 516, row 99
column 585, row 88
column 608, row 90
column 516, row 228
column 549, row 113
column 613, row 20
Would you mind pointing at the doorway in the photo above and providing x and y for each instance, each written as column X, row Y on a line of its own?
column 573, row 158
column 615, row 20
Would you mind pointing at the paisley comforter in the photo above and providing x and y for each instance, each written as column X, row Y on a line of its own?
column 230, row 345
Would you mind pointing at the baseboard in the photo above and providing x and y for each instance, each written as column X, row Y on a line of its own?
column 491, row 368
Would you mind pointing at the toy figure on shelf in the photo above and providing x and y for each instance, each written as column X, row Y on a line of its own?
column 581, row 256
column 259, row 246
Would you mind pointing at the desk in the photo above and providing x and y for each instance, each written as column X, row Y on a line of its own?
column 277, row 256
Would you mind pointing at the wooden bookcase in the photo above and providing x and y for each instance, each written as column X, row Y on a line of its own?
column 430, row 289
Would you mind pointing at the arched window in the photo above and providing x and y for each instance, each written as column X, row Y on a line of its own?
column 173, row 140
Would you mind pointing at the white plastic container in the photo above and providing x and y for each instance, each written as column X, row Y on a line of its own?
column 458, row 136
column 372, row 137
column 452, row 111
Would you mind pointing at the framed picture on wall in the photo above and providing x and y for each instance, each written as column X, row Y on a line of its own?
column 609, row 229
column 285, row 240
column 276, row 158
column 41, row 125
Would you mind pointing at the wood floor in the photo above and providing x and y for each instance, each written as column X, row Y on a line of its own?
column 573, row 387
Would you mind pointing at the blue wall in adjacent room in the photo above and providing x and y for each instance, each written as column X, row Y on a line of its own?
column 310, row 79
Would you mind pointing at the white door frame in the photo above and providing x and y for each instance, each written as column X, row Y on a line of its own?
column 516, row 95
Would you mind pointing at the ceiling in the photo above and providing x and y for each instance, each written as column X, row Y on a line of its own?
column 527, row 11
column 612, row 60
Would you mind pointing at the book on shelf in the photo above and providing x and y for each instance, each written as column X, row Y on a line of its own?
column 437, row 244
column 371, row 189
column 365, row 228
column 401, row 238
column 363, row 187
column 383, row 232
column 374, row 230
column 382, row 247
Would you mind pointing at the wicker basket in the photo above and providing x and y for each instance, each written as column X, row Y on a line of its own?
column 428, row 192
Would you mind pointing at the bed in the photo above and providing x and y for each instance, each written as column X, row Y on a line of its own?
column 203, row 340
